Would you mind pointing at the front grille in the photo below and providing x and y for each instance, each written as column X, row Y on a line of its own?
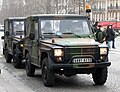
column 83, row 51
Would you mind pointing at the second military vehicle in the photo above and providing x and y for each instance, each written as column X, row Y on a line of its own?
column 13, row 40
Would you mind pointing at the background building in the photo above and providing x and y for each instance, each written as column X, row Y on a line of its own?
column 71, row 7
column 106, row 10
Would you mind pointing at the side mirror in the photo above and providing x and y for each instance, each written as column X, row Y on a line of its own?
column 32, row 36
column 2, row 37
column 7, row 33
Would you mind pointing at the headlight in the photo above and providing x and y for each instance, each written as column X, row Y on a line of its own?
column 103, row 51
column 21, row 45
column 58, row 52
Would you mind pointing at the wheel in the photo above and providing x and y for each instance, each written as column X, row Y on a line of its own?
column 7, row 56
column 100, row 76
column 48, row 76
column 17, row 60
column 30, row 69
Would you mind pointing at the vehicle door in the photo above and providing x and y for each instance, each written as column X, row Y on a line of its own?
column 35, row 45
column 8, row 38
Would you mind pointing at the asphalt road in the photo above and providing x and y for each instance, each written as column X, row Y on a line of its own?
column 78, row 83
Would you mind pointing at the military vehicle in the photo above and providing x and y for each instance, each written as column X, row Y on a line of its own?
column 64, row 44
column 13, row 40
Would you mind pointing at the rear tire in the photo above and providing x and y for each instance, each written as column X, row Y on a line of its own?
column 17, row 60
column 48, row 76
column 30, row 68
column 7, row 56
column 100, row 76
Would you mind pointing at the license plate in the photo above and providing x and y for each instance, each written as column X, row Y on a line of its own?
column 82, row 60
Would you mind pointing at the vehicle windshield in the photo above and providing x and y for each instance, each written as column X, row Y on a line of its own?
column 62, row 27
column 18, row 28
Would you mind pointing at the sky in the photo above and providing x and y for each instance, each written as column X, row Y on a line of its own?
column 0, row 3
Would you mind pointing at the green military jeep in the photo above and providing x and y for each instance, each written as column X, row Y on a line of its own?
column 13, row 40
column 63, row 44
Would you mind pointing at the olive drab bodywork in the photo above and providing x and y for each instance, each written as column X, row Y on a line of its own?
column 63, row 44
column 13, row 40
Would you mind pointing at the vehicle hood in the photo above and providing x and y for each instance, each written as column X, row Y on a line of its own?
column 72, row 41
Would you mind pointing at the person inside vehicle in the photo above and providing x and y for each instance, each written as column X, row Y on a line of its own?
column 47, row 28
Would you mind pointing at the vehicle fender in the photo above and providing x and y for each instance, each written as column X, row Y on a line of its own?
column 42, row 55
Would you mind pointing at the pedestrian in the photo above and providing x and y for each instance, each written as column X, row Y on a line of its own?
column 95, row 26
column 109, row 31
column 103, row 34
column 113, row 39
column 100, row 35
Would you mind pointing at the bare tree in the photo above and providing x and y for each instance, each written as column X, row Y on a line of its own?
column 16, row 8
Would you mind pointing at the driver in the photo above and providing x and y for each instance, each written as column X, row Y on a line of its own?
column 47, row 28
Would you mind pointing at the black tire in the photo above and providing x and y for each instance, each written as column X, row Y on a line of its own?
column 48, row 76
column 17, row 60
column 100, row 76
column 30, row 68
column 7, row 56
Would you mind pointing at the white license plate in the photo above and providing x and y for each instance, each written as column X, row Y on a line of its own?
column 82, row 60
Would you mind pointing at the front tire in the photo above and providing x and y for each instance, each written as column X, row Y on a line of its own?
column 100, row 76
column 30, row 68
column 17, row 60
column 48, row 76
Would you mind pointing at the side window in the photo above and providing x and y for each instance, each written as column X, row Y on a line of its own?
column 36, row 29
column 18, row 27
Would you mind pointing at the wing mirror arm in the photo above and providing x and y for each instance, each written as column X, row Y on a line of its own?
column 7, row 33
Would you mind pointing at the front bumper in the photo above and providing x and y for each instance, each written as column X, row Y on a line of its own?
column 80, row 65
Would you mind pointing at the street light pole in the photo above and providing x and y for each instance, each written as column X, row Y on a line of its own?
column 116, row 19
column 79, row 7
column 84, row 6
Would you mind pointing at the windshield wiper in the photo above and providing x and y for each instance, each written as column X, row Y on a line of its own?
column 54, row 34
column 72, row 33
column 48, row 33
